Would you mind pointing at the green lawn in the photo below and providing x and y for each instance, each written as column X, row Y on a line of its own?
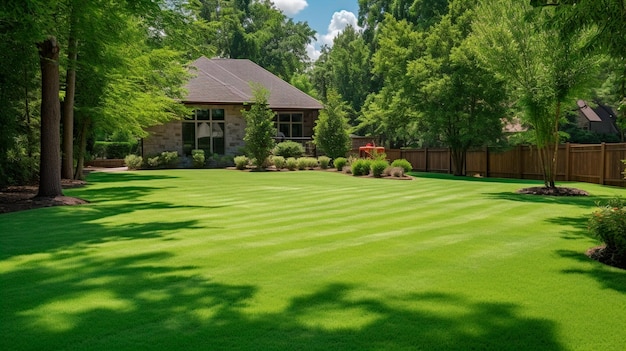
column 228, row 260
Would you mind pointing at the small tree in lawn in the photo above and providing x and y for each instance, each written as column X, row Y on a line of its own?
column 259, row 126
column 331, row 130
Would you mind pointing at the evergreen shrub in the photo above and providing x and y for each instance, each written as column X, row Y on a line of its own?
column 378, row 167
column 241, row 162
column 278, row 161
column 133, row 161
column 288, row 149
column 198, row 158
column 291, row 163
column 340, row 162
column 608, row 224
column 361, row 167
column 406, row 165
column 324, row 161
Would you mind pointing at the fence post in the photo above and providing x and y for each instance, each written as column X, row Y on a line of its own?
column 602, row 162
column 520, row 163
column 426, row 159
column 449, row 160
column 486, row 161
column 567, row 161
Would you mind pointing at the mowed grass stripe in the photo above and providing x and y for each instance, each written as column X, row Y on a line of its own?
column 217, row 259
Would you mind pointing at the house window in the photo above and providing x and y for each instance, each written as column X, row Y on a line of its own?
column 204, row 129
column 289, row 124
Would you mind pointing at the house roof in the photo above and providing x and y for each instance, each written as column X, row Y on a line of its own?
column 227, row 81
column 601, row 118
column 588, row 112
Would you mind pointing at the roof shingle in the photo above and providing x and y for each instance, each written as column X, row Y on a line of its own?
column 227, row 81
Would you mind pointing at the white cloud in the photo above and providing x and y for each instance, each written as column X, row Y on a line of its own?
column 337, row 24
column 290, row 7
column 313, row 52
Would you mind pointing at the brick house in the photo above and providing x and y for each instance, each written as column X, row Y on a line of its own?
column 218, row 92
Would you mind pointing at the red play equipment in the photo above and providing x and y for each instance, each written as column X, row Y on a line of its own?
column 369, row 150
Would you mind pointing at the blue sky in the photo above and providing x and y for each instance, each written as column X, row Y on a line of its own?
column 327, row 17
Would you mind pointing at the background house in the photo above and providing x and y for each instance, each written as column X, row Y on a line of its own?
column 218, row 92
column 600, row 119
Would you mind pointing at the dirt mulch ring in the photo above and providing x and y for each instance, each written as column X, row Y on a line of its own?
column 601, row 254
column 20, row 198
column 558, row 191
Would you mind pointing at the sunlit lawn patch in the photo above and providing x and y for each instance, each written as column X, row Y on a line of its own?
column 223, row 260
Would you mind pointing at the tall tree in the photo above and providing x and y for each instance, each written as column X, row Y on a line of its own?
column 609, row 16
column 461, row 104
column 67, row 158
column 50, row 167
column 258, row 31
column 350, row 67
column 390, row 113
column 546, row 69
column 259, row 127
column 331, row 130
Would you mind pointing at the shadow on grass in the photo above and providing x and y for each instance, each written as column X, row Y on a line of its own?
column 608, row 277
column 578, row 226
column 62, row 228
column 112, row 177
column 580, row 201
column 445, row 176
column 139, row 302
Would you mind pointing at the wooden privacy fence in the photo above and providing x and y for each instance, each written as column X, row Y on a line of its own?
column 591, row 163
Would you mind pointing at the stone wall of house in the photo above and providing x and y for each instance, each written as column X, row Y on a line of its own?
column 235, row 129
column 168, row 137
column 165, row 137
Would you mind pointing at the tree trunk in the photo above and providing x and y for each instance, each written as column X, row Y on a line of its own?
column 555, row 154
column 50, row 165
column 84, row 125
column 458, row 160
column 67, row 163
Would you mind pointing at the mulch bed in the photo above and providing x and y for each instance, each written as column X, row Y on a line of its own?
column 558, row 191
column 20, row 198
column 601, row 254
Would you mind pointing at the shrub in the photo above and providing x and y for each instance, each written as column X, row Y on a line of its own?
column 378, row 167
column 331, row 129
column 278, row 161
column 302, row 163
column 288, row 149
column 154, row 162
column 114, row 149
column 220, row 161
column 169, row 159
column 361, row 167
column 340, row 162
column 133, row 161
column 259, row 127
column 19, row 166
column 608, row 224
column 406, row 165
column 324, row 161
column 291, row 164
column 241, row 162
column 309, row 162
column 197, row 157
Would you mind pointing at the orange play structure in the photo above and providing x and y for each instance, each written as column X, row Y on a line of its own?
column 369, row 150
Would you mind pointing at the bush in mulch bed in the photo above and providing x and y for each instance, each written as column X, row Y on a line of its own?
column 608, row 224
